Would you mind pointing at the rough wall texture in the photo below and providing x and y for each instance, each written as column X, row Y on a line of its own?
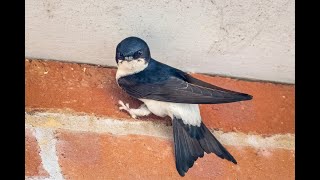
column 250, row 39
column 89, row 89
column 74, row 129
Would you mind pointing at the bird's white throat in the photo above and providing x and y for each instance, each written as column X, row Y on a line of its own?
column 126, row 68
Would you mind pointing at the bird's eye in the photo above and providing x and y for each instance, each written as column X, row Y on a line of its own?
column 120, row 56
column 137, row 54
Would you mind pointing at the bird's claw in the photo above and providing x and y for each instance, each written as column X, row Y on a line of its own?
column 126, row 107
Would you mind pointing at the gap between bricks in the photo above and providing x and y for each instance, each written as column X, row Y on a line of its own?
column 44, row 124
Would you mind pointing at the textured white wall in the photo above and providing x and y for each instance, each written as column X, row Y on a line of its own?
column 250, row 39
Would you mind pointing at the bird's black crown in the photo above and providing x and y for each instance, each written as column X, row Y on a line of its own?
column 133, row 47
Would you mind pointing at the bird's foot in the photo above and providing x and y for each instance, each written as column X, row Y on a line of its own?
column 127, row 108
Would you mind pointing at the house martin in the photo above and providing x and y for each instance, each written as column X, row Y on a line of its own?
column 167, row 91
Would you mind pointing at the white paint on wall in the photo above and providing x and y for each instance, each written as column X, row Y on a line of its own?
column 50, row 161
column 249, row 39
column 84, row 123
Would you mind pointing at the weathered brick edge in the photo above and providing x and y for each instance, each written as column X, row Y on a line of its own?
column 89, row 147
column 33, row 162
column 79, row 88
column 75, row 130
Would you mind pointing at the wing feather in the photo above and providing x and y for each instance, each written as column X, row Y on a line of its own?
column 177, row 90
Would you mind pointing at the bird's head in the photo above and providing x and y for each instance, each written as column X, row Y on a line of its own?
column 132, row 50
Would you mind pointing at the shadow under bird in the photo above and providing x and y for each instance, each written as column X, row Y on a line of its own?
column 167, row 91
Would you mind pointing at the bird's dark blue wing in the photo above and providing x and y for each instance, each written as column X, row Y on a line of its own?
column 178, row 90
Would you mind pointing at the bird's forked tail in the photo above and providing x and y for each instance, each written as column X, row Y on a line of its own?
column 190, row 143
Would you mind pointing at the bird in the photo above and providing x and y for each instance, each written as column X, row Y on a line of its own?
column 168, row 91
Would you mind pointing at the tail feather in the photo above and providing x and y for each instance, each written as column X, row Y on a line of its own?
column 187, row 150
column 190, row 143
column 211, row 145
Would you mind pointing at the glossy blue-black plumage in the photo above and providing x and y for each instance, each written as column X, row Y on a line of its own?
column 161, row 82
column 191, row 142
column 165, row 83
column 134, row 47
column 156, row 72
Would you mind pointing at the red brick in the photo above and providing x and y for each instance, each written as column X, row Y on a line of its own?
column 96, row 156
column 91, row 89
column 33, row 165
column 271, row 110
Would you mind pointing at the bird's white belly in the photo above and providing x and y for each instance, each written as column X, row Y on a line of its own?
column 189, row 113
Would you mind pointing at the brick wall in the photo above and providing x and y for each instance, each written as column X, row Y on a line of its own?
column 74, row 129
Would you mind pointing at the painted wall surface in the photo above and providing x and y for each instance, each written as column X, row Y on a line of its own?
column 250, row 39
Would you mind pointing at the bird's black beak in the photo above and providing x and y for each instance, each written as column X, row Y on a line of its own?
column 128, row 58
column 125, row 58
